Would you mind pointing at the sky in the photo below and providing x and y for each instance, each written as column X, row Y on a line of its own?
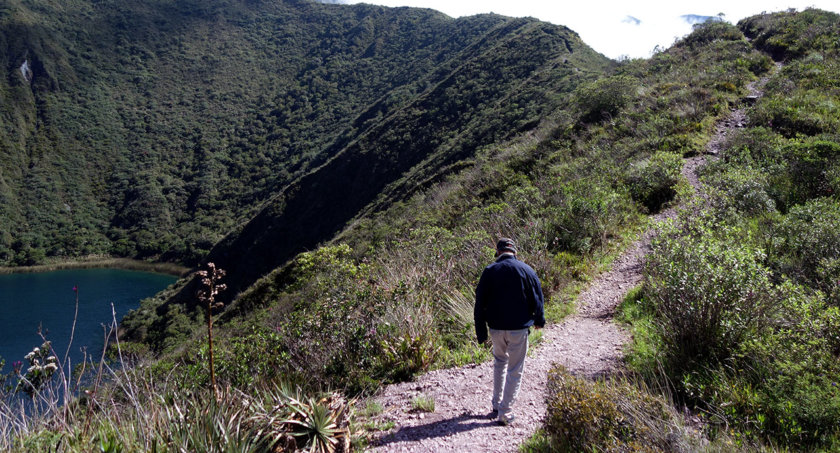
column 615, row 28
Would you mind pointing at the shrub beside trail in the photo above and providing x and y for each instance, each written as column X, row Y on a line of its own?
column 611, row 416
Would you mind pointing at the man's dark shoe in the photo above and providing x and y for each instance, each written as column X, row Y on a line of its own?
column 493, row 414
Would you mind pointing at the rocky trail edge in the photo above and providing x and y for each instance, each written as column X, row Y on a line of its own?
column 588, row 343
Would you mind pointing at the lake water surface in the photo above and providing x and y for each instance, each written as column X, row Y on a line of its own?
column 46, row 302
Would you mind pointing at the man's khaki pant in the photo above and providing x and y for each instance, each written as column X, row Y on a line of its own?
column 509, row 349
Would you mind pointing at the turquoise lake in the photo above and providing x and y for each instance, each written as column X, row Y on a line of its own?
column 46, row 302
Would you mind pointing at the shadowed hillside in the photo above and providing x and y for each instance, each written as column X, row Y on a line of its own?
column 151, row 129
column 493, row 94
column 495, row 88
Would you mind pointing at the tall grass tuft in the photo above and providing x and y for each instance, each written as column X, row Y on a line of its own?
column 126, row 408
column 610, row 416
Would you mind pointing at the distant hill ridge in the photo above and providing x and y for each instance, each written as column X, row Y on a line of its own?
column 151, row 129
column 442, row 126
column 351, row 168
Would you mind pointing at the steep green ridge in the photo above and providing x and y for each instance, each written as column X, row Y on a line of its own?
column 739, row 307
column 391, row 294
column 738, row 314
column 151, row 129
column 494, row 93
column 494, row 89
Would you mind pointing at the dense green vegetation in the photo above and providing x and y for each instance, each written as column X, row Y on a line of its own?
column 151, row 129
column 367, row 235
column 609, row 416
column 522, row 72
column 391, row 296
column 739, row 307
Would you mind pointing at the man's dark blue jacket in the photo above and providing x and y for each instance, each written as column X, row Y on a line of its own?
column 508, row 297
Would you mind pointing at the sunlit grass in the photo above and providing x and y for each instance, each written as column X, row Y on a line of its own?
column 423, row 403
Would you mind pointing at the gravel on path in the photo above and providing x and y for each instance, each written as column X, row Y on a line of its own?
column 588, row 343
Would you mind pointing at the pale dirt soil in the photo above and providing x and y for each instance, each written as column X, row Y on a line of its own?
column 588, row 343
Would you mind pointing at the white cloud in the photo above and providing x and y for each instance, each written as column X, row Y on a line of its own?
column 631, row 20
column 604, row 24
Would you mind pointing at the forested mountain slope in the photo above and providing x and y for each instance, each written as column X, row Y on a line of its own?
column 604, row 153
column 152, row 128
column 500, row 88
column 526, row 133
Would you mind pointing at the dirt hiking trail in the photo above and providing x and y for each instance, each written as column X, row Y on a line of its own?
column 588, row 343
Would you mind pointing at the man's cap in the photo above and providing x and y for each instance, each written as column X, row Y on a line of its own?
column 506, row 244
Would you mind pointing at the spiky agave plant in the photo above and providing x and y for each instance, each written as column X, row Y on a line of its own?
column 318, row 426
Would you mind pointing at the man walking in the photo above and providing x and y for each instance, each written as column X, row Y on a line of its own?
column 509, row 299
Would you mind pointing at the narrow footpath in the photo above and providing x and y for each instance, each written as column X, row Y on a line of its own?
column 588, row 343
